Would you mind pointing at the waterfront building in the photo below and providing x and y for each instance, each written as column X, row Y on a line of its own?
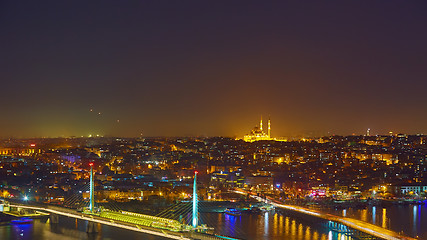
column 412, row 189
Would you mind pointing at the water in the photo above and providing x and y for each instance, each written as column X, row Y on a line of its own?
column 409, row 219
column 273, row 225
column 269, row 225
column 67, row 229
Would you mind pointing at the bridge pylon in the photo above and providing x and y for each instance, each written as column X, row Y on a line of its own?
column 92, row 186
column 54, row 218
column 195, row 202
column 91, row 227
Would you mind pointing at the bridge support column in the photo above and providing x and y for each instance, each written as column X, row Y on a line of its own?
column 91, row 227
column 54, row 218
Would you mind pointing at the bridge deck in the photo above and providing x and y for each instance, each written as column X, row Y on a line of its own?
column 359, row 225
column 132, row 223
column 30, row 215
column 96, row 219
column 146, row 220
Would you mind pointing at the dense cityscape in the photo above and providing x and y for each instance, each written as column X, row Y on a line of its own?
column 391, row 167
column 213, row 120
column 153, row 175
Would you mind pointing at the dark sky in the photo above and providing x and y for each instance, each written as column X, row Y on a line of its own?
column 168, row 68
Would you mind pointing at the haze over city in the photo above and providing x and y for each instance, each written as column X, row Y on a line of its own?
column 173, row 68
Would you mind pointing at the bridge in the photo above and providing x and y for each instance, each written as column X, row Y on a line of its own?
column 153, row 225
column 344, row 225
column 120, row 220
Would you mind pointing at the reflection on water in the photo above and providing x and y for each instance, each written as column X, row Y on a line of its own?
column 374, row 214
column 384, row 218
column 67, row 229
column 408, row 219
column 293, row 228
column 416, row 224
column 307, row 233
column 273, row 225
column 364, row 215
column 270, row 226
column 266, row 220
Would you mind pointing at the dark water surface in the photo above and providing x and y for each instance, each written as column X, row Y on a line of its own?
column 410, row 219
column 272, row 225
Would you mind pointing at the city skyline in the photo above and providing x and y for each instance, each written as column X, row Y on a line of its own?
column 212, row 69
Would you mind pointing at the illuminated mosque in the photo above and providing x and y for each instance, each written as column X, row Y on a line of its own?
column 257, row 133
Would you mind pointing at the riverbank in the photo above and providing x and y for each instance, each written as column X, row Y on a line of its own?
column 356, row 203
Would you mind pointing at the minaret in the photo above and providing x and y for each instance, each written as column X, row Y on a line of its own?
column 260, row 124
column 269, row 128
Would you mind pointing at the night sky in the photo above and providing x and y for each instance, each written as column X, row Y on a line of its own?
column 210, row 68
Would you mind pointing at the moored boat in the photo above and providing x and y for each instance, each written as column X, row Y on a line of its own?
column 233, row 212
column 22, row 221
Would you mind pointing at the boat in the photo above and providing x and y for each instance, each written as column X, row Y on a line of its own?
column 267, row 208
column 253, row 210
column 233, row 212
column 22, row 221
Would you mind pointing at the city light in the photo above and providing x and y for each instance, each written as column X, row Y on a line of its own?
column 181, row 120
column 274, row 173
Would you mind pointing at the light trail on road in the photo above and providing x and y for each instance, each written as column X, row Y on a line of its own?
column 101, row 221
column 365, row 227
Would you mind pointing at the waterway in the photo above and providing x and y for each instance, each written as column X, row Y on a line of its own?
column 409, row 219
column 270, row 225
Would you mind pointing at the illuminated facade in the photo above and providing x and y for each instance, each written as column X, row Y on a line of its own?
column 18, row 151
column 257, row 133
